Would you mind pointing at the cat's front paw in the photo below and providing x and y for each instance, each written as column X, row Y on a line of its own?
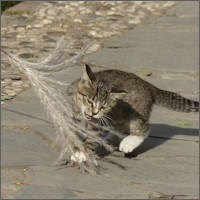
column 79, row 157
column 129, row 143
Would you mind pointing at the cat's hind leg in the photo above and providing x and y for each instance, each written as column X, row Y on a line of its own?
column 138, row 125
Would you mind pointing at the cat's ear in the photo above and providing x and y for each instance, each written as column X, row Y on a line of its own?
column 117, row 94
column 88, row 75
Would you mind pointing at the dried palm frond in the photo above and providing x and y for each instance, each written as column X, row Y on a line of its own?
column 57, row 104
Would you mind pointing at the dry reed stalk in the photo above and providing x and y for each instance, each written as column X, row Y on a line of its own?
column 58, row 105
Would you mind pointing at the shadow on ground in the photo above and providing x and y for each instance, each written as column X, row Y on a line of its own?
column 163, row 132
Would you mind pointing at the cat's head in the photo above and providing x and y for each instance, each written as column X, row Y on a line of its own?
column 95, row 95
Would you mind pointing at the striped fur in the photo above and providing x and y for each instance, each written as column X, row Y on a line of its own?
column 174, row 101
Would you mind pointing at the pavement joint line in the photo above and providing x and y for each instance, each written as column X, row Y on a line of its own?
column 159, row 137
column 157, row 72
column 155, row 157
column 129, row 182
column 28, row 166
column 28, row 129
column 24, row 114
column 100, row 195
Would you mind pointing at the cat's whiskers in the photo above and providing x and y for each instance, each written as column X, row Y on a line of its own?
column 108, row 117
column 102, row 121
column 106, row 122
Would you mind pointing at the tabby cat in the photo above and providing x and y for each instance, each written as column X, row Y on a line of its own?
column 126, row 100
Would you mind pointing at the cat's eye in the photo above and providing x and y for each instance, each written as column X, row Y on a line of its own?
column 103, row 107
column 90, row 102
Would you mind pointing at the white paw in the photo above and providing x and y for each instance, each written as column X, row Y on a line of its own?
column 95, row 162
column 129, row 143
column 79, row 157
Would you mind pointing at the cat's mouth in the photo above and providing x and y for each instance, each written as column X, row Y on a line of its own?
column 88, row 117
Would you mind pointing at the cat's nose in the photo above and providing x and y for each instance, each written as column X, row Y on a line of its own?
column 95, row 112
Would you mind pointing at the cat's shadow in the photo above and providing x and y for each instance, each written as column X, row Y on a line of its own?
column 159, row 133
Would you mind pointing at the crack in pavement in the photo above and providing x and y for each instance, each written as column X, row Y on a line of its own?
column 160, row 137
column 24, row 114
column 28, row 129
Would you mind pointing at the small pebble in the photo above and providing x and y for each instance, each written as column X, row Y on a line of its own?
column 72, row 14
column 93, row 48
column 51, row 12
column 47, row 21
column 29, row 27
column 134, row 21
column 3, row 29
column 93, row 33
column 33, row 40
column 17, row 83
column 77, row 20
column 20, row 36
column 20, row 29
column 38, row 25
column 17, row 89
column 7, row 80
column 26, row 85
column 168, row 4
column 10, row 92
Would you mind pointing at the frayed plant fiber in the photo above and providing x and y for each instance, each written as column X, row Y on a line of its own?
column 58, row 105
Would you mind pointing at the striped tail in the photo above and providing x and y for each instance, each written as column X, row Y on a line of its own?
column 174, row 101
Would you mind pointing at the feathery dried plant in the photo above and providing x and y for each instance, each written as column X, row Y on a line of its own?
column 58, row 104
